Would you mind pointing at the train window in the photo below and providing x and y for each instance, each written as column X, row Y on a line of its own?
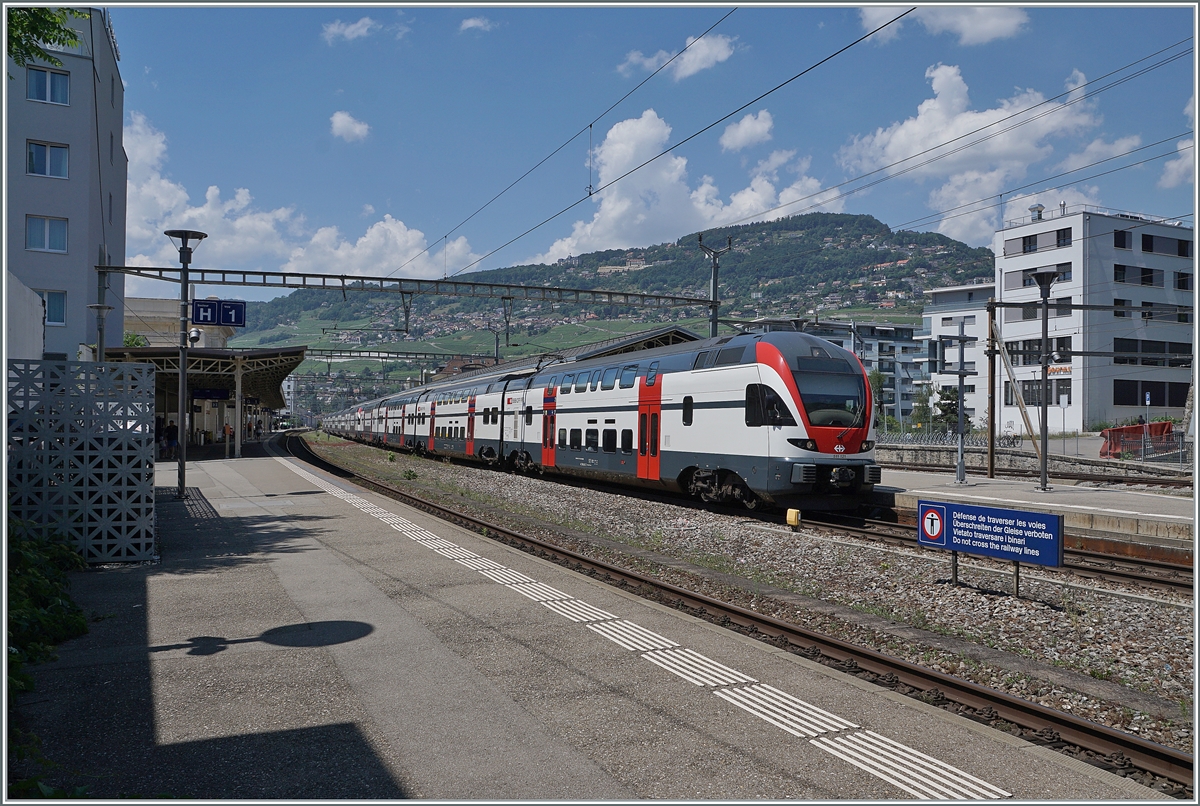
column 576, row 439
column 628, row 375
column 654, row 435
column 652, row 373
column 562, row 437
column 642, row 432
column 700, row 359
column 529, row 415
column 609, row 380
column 688, row 410
column 754, row 411
column 731, row 356
column 596, row 379
column 591, row 439
column 553, row 382
column 581, row 382
column 626, row 440
column 610, row 440
column 775, row 411
column 566, row 384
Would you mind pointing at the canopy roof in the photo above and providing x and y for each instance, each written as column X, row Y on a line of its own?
column 263, row 371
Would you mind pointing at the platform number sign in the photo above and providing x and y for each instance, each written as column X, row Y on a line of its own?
column 933, row 524
column 229, row 313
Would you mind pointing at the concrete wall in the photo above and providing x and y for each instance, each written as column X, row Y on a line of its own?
column 24, row 321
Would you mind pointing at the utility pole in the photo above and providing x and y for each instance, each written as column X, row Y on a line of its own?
column 960, row 475
column 715, row 303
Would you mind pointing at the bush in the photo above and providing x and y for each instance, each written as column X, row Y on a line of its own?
column 40, row 611
column 40, row 614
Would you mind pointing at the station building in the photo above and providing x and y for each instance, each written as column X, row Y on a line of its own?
column 1129, row 357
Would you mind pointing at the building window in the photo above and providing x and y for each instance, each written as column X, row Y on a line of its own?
column 1062, row 306
column 112, row 90
column 45, row 234
column 1152, row 277
column 56, row 307
column 46, row 160
column 110, row 208
column 1185, row 248
column 1121, row 239
column 1120, row 273
column 1064, row 270
column 1153, row 346
column 1147, row 242
column 111, row 140
column 48, row 86
column 1063, row 237
column 1183, row 281
column 1121, row 303
column 1147, row 310
column 1062, row 389
column 1062, row 349
column 1029, row 243
column 1122, row 346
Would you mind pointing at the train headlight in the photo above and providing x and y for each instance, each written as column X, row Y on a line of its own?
column 867, row 445
column 804, row 444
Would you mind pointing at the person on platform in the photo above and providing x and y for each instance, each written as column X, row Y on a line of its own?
column 172, row 434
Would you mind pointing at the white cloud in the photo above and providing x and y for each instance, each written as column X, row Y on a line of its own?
column 1183, row 168
column 242, row 237
column 700, row 55
column 988, row 166
column 476, row 23
column 343, row 125
column 1099, row 150
column 973, row 25
column 368, row 209
column 749, row 131
column 348, row 30
column 657, row 202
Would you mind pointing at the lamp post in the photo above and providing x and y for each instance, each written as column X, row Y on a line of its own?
column 1045, row 278
column 181, row 238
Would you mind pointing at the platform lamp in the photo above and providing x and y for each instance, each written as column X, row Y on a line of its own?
column 1045, row 278
column 182, row 240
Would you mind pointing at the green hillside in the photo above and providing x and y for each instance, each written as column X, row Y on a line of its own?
column 819, row 264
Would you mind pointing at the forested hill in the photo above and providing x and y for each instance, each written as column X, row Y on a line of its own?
column 816, row 261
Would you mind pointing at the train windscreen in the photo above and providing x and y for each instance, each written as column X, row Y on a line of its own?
column 831, row 398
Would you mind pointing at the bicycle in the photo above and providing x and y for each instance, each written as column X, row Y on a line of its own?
column 1008, row 440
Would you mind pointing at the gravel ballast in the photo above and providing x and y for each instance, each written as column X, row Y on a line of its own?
column 1117, row 655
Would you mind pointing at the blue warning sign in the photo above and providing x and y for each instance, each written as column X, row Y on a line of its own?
column 1003, row 534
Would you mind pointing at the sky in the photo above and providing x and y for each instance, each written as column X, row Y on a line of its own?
column 428, row 142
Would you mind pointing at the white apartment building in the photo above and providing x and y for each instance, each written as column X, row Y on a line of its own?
column 1138, row 263
column 946, row 309
column 65, row 182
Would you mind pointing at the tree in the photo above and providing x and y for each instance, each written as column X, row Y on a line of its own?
column 920, row 412
column 875, row 377
column 31, row 28
column 946, row 406
column 135, row 340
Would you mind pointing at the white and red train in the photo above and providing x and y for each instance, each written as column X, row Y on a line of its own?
column 776, row 418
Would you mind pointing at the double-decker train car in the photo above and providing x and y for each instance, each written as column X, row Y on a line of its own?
column 777, row 418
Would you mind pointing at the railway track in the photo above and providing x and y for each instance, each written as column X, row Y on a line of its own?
column 1162, row 768
column 1080, row 562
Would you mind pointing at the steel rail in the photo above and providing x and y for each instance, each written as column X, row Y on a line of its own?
column 1051, row 726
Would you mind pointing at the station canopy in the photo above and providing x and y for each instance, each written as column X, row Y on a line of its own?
column 263, row 371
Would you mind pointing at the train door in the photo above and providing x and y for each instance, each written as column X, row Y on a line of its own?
column 471, row 424
column 649, row 426
column 432, row 422
column 549, row 415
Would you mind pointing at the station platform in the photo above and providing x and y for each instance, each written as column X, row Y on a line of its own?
column 1122, row 519
column 301, row 638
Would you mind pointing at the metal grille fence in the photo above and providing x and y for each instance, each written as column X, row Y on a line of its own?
column 81, row 455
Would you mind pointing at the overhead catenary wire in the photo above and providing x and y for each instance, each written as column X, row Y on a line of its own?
column 910, row 168
column 571, row 139
column 687, row 139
